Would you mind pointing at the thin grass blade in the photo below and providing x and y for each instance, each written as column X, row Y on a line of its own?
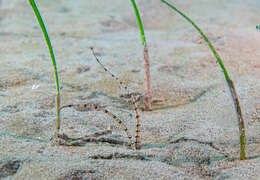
column 229, row 81
column 148, row 95
column 48, row 42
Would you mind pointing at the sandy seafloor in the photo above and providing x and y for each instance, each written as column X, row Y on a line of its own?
column 192, row 133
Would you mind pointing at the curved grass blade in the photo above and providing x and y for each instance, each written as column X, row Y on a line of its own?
column 48, row 42
column 229, row 81
column 148, row 95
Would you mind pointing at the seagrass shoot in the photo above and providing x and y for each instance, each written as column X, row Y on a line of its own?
column 89, row 105
column 148, row 95
column 54, row 65
column 227, row 77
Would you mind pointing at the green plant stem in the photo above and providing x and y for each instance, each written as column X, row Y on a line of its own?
column 229, row 81
column 148, row 95
column 140, row 24
column 48, row 42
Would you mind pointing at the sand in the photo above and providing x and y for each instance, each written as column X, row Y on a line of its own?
column 192, row 132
